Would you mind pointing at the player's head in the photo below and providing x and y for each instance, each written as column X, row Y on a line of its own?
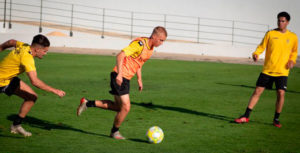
column 158, row 36
column 40, row 45
column 283, row 19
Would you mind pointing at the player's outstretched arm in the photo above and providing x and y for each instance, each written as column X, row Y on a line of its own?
column 40, row 84
column 8, row 44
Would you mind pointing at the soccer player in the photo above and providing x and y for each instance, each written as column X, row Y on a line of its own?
column 281, row 54
column 129, row 62
column 19, row 60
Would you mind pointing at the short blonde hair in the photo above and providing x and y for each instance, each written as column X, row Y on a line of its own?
column 158, row 30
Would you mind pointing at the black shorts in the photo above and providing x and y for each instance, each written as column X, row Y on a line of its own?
column 267, row 81
column 115, row 88
column 11, row 88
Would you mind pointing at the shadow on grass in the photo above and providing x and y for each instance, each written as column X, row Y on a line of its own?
column 253, row 87
column 138, row 140
column 9, row 136
column 46, row 125
column 150, row 105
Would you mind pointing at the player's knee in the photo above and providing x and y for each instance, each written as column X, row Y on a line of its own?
column 258, row 92
column 32, row 97
column 125, row 108
column 280, row 93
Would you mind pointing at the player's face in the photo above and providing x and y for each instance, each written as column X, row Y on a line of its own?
column 282, row 23
column 40, row 52
column 158, row 39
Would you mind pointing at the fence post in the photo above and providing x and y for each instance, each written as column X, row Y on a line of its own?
column 4, row 14
column 41, row 14
column 198, row 32
column 71, row 28
column 131, row 31
column 9, row 24
column 103, row 14
column 232, row 40
column 165, row 20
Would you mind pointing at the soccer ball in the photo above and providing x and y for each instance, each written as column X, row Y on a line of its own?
column 155, row 134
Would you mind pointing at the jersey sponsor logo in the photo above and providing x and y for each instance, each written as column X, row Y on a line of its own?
column 287, row 41
column 141, row 43
column 275, row 38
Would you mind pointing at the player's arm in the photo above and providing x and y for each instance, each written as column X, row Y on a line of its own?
column 40, row 84
column 8, row 44
column 261, row 47
column 120, row 59
column 139, row 78
column 293, row 56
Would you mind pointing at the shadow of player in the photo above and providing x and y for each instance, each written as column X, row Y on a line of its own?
column 46, row 125
column 150, row 105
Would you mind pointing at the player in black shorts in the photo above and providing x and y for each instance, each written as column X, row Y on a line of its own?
column 281, row 53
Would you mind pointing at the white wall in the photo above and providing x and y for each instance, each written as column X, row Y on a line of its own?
column 25, row 33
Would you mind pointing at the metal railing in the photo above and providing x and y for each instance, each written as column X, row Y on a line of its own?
column 128, row 24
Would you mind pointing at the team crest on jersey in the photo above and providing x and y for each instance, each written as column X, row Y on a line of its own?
column 141, row 43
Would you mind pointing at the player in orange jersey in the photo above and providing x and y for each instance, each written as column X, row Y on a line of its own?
column 129, row 62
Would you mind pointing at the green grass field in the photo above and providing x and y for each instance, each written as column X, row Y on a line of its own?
column 193, row 102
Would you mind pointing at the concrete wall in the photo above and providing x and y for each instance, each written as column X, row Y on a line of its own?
column 82, row 40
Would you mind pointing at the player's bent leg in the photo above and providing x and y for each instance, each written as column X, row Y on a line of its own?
column 29, row 96
column 104, row 104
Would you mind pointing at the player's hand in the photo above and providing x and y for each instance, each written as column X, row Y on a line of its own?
column 59, row 93
column 290, row 64
column 140, row 85
column 255, row 57
column 119, row 80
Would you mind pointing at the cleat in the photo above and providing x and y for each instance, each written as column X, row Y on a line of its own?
column 117, row 135
column 241, row 120
column 82, row 106
column 277, row 123
column 18, row 129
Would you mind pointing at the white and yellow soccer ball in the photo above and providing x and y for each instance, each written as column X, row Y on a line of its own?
column 155, row 134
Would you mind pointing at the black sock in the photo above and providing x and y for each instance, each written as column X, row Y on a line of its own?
column 91, row 103
column 276, row 116
column 18, row 120
column 114, row 129
column 247, row 113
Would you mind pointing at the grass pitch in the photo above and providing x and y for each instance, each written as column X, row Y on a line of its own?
column 193, row 102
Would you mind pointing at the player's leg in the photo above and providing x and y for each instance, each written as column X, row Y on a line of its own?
column 255, row 97
column 263, row 81
column 281, row 85
column 104, row 104
column 124, row 103
column 25, row 92
column 252, row 102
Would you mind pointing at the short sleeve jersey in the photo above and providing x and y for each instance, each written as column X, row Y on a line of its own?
column 16, row 62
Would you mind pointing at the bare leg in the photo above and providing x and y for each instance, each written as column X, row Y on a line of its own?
column 108, row 104
column 255, row 97
column 124, row 104
column 29, row 97
column 280, row 100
